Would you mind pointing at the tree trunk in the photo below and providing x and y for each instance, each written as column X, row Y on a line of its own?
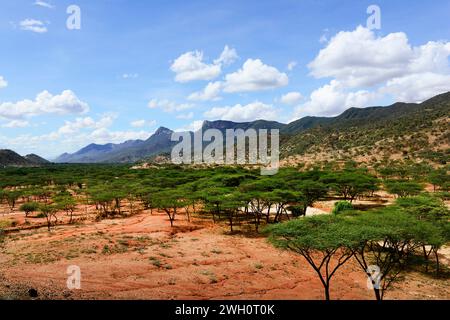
column 377, row 294
column 327, row 292
column 437, row 261
column 425, row 256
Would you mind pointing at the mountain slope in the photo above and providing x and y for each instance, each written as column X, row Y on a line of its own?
column 35, row 159
column 401, row 128
column 11, row 158
column 158, row 143
column 129, row 151
column 258, row 124
column 96, row 152
column 398, row 131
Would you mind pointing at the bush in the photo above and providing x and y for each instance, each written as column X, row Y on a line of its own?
column 342, row 206
column 5, row 224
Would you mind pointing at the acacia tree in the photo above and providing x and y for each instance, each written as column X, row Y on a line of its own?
column 310, row 191
column 169, row 201
column 230, row 205
column 29, row 207
column 321, row 240
column 351, row 184
column 11, row 198
column 403, row 188
column 387, row 238
column 433, row 210
column 439, row 178
column 49, row 211
column 281, row 199
column 66, row 203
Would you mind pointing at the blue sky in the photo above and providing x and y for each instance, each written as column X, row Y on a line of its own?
column 136, row 65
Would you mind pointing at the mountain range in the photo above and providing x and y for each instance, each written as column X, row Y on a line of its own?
column 357, row 131
column 401, row 130
column 11, row 158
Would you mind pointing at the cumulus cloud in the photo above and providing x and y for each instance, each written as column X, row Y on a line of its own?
column 45, row 103
column 417, row 87
column 104, row 135
column 227, row 57
column 16, row 124
column 254, row 76
column 209, row 93
column 250, row 112
column 291, row 98
column 53, row 144
column 190, row 66
column 365, row 67
column 3, row 82
column 33, row 25
column 359, row 58
column 71, row 127
column 169, row 106
column 333, row 98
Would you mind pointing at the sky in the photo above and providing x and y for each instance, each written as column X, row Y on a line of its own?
column 114, row 70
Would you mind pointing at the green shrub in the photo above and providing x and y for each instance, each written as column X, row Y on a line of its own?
column 342, row 206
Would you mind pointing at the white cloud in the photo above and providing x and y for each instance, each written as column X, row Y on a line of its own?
column 16, row 124
column 130, row 75
column 291, row 98
column 193, row 126
column 43, row 4
column 3, row 82
column 209, row 93
column 104, row 135
column 33, row 25
column 241, row 113
column 332, row 99
column 360, row 58
column 254, row 76
column 190, row 66
column 45, row 103
column 291, row 65
column 227, row 57
column 185, row 116
column 169, row 106
column 53, row 144
column 142, row 123
column 71, row 127
column 138, row 123
column 417, row 87
column 365, row 67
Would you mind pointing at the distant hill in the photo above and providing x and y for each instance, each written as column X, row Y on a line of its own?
column 127, row 152
column 11, row 158
column 400, row 130
column 35, row 159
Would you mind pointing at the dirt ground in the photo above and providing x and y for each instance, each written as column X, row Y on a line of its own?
column 142, row 257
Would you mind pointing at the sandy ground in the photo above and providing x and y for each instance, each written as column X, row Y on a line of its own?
column 141, row 257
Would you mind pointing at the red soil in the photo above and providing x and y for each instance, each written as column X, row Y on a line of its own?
column 141, row 257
